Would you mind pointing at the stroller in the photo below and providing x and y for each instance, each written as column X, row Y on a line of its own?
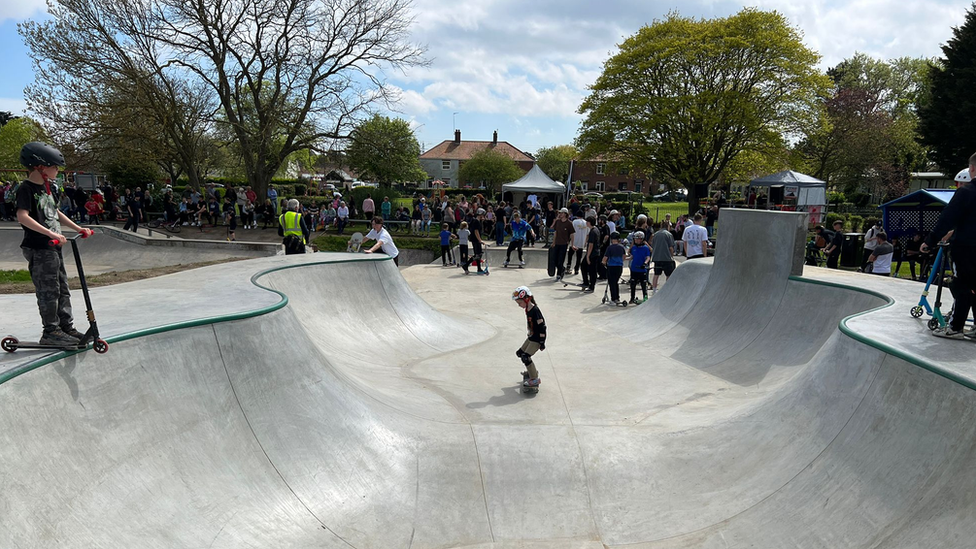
column 815, row 256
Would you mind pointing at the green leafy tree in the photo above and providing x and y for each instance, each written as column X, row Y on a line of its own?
column 491, row 168
column 554, row 161
column 13, row 135
column 385, row 150
column 946, row 117
column 683, row 97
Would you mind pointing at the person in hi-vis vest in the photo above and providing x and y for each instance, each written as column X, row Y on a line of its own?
column 292, row 226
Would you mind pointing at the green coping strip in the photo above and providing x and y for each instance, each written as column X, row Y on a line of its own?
column 893, row 351
column 30, row 366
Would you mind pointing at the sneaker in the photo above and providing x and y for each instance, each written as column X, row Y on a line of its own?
column 521, row 264
column 634, row 301
column 559, row 279
column 575, row 272
column 71, row 331
column 532, row 382
column 970, row 333
column 948, row 333
column 57, row 337
column 505, row 263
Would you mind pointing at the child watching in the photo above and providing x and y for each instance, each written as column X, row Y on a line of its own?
column 463, row 234
column 37, row 212
column 640, row 260
column 613, row 260
column 447, row 256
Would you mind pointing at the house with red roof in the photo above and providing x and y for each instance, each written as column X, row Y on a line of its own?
column 443, row 161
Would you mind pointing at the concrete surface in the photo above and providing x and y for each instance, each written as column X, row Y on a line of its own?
column 739, row 407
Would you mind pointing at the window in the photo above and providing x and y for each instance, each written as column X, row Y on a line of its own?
column 600, row 168
column 600, row 186
column 447, row 181
column 582, row 185
column 622, row 186
column 639, row 186
column 625, row 171
column 445, row 164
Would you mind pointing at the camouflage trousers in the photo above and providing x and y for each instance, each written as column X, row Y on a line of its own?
column 51, row 286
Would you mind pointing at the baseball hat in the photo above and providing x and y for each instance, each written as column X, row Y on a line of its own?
column 564, row 210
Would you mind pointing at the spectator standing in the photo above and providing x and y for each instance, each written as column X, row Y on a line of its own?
column 293, row 228
column 501, row 219
column 549, row 216
column 959, row 216
column 133, row 208
column 662, row 254
column 447, row 255
column 579, row 245
column 386, row 208
column 563, row 235
column 880, row 258
column 342, row 215
column 230, row 218
column 462, row 234
column 251, row 195
column 614, row 262
column 832, row 251
column 711, row 216
column 696, row 239
column 591, row 255
column 913, row 253
column 640, row 261
column 870, row 243
column 369, row 208
column 273, row 197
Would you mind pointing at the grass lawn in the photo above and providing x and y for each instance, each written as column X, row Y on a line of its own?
column 14, row 276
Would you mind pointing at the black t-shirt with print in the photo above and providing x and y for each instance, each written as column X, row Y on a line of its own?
column 43, row 208
column 536, row 324
column 593, row 238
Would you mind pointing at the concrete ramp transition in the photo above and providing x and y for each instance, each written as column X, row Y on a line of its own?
column 374, row 409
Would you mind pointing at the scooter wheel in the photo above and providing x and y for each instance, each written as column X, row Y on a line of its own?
column 100, row 346
column 933, row 323
column 917, row 311
column 9, row 344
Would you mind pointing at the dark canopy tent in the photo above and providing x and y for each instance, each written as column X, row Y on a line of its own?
column 913, row 213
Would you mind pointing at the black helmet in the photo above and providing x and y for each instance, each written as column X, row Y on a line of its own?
column 36, row 153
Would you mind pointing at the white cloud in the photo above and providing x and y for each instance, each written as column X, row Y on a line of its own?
column 17, row 106
column 20, row 9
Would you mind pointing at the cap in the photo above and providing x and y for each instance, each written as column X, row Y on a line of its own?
column 614, row 212
column 614, row 235
column 564, row 210
column 481, row 211
column 963, row 176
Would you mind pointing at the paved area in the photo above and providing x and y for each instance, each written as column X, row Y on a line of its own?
column 371, row 407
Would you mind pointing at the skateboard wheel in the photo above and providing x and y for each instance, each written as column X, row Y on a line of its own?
column 100, row 346
column 9, row 344
column 917, row 311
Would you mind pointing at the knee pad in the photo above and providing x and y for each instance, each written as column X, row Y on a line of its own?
column 519, row 352
column 526, row 358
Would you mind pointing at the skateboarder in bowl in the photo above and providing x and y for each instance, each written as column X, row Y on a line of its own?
column 519, row 230
column 536, row 336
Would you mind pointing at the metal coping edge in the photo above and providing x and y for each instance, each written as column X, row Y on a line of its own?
column 43, row 361
column 884, row 347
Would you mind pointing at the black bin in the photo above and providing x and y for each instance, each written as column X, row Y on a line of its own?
column 851, row 249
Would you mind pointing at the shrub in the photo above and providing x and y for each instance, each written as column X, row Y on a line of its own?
column 855, row 221
column 831, row 217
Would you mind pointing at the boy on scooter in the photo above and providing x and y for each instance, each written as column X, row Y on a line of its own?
column 37, row 212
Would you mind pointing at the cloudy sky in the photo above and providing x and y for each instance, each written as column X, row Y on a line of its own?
column 523, row 67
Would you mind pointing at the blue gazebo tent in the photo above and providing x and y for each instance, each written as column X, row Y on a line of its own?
column 913, row 213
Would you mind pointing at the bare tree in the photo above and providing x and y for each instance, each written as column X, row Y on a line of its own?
column 285, row 75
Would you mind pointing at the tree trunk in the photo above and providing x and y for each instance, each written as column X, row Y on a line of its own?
column 692, row 198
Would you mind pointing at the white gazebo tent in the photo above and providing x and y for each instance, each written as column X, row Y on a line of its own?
column 535, row 182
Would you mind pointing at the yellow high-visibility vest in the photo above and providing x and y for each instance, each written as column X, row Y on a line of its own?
column 291, row 224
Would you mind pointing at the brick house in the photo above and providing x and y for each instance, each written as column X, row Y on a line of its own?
column 604, row 176
column 443, row 161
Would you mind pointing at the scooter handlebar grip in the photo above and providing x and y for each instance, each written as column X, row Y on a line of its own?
column 53, row 242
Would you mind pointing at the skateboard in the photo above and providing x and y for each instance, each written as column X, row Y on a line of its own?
column 552, row 261
column 355, row 242
column 528, row 390
column 520, row 266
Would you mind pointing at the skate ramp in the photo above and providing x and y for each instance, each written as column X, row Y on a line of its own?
column 367, row 412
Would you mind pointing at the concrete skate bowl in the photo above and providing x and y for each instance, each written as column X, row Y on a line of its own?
column 112, row 249
column 303, row 427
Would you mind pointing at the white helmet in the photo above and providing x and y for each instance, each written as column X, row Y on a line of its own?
column 521, row 292
column 639, row 234
column 963, row 176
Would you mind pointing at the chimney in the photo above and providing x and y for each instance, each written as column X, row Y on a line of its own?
column 457, row 137
column 494, row 138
